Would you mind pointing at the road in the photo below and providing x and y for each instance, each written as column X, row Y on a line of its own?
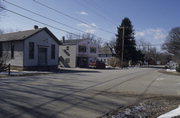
column 82, row 93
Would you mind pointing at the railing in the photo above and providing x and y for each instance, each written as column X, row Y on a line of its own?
column 5, row 68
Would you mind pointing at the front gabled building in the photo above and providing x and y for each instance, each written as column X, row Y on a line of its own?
column 78, row 53
column 31, row 49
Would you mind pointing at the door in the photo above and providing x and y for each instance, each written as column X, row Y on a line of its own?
column 42, row 56
column 82, row 62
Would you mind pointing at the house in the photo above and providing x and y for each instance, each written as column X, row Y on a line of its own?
column 105, row 54
column 31, row 49
column 78, row 53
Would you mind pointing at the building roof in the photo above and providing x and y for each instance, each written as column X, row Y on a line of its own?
column 72, row 41
column 22, row 35
column 105, row 50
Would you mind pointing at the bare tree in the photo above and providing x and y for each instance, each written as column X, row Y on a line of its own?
column 150, row 52
column 4, row 58
column 88, row 36
column 73, row 36
column 164, row 57
column 4, row 55
column 172, row 44
column 111, row 44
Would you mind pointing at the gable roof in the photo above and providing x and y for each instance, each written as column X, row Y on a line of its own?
column 105, row 50
column 73, row 41
column 22, row 35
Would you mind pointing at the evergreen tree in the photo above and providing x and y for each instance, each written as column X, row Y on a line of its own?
column 130, row 51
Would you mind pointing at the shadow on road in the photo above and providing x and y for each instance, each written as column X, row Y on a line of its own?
column 47, row 99
column 76, row 71
column 55, row 97
column 153, row 66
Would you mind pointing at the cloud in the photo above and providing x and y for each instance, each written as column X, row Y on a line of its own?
column 83, row 25
column 152, row 34
column 83, row 13
column 88, row 28
column 92, row 31
column 87, row 25
column 139, row 34
column 93, row 24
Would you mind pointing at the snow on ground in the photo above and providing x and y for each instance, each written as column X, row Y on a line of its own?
column 171, row 70
column 173, row 113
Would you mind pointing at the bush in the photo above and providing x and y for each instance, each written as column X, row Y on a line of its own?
column 114, row 62
column 178, row 68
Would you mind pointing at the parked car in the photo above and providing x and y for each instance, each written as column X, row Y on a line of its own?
column 97, row 64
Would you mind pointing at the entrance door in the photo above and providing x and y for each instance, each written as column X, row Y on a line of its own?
column 82, row 62
column 42, row 56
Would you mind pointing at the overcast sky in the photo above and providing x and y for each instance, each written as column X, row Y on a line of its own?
column 152, row 19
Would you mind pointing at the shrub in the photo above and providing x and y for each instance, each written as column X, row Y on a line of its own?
column 178, row 68
column 114, row 62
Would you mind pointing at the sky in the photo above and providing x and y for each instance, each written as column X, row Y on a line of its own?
column 152, row 19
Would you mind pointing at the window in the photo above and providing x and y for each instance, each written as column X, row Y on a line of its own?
column 31, row 50
column 52, row 51
column 12, row 50
column 92, row 50
column 104, row 60
column 67, row 47
column 82, row 48
column 67, row 60
column 1, row 50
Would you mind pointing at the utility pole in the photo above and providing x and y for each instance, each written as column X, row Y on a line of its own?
column 122, row 50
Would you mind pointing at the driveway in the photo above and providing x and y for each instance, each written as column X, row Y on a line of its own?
column 83, row 93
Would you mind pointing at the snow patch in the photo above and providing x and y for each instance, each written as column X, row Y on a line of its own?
column 171, row 70
column 173, row 113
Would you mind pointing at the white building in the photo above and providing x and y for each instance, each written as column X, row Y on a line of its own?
column 105, row 55
column 78, row 53
column 30, row 49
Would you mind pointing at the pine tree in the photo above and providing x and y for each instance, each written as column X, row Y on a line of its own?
column 130, row 52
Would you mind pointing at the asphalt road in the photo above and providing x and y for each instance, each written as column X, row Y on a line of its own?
column 81, row 93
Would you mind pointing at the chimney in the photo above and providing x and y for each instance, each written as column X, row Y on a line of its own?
column 35, row 27
column 63, row 39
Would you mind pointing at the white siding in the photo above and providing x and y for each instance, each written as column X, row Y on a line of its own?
column 88, row 44
column 18, row 53
column 67, row 53
column 104, row 59
column 41, row 39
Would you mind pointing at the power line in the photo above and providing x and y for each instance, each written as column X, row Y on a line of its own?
column 151, row 45
column 97, row 12
column 43, row 16
column 38, row 21
column 69, row 16
column 60, row 12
